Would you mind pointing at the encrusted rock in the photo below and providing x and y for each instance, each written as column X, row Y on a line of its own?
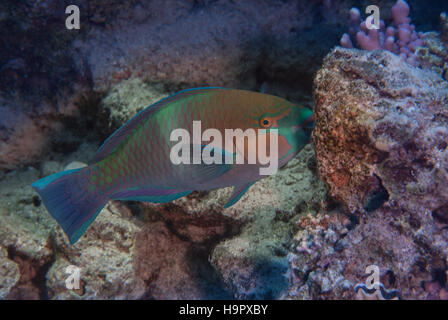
column 104, row 258
column 381, row 131
column 381, row 145
column 254, row 264
column 9, row 274
column 124, row 100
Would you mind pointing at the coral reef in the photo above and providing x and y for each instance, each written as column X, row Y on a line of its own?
column 331, row 254
column 380, row 142
column 433, row 54
column 381, row 128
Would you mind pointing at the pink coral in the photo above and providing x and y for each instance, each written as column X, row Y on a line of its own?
column 401, row 39
column 400, row 13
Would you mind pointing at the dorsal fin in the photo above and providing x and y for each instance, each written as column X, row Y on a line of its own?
column 114, row 140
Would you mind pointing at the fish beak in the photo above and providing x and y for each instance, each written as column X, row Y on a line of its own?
column 308, row 126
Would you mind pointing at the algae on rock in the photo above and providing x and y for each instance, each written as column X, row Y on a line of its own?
column 127, row 98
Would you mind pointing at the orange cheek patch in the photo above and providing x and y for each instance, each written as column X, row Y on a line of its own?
column 283, row 146
column 251, row 146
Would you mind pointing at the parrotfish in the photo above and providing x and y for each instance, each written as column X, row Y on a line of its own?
column 134, row 162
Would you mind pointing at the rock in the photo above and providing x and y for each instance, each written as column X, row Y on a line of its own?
column 24, row 225
column 136, row 241
column 252, row 270
column 37, row 246
column 244, row 247
column 9, row 274
column 24, row 231
column 183, row 42
column 381, row 131
column 172, row 255
column 253, row 264
column 81, row 156
column 380, row 140
column 104, row 257
column 49, row 167
column 126, row 99
column 22, row 140
column 38, row 79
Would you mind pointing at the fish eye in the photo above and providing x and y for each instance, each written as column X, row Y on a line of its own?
column 266, row 122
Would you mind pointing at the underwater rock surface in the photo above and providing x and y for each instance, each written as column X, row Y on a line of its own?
column 248, row 252
column 127, row 98
column 254, row 264
column 191, row 248
column 381, row 145
column 9, row 274
column 381, row 131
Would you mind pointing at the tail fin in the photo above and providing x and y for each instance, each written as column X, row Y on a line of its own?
column 70, row 202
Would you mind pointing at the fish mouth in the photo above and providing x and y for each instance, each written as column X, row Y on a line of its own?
column 308, row 126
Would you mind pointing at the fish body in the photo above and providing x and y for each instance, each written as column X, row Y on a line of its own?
column 134, row 163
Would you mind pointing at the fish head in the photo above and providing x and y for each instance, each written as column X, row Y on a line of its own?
column 294, row 125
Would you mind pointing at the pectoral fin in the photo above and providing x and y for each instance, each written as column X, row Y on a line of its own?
column 238, row 192
column 208, row 170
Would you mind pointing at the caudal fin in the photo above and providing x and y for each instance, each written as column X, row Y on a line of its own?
column 69, row 201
